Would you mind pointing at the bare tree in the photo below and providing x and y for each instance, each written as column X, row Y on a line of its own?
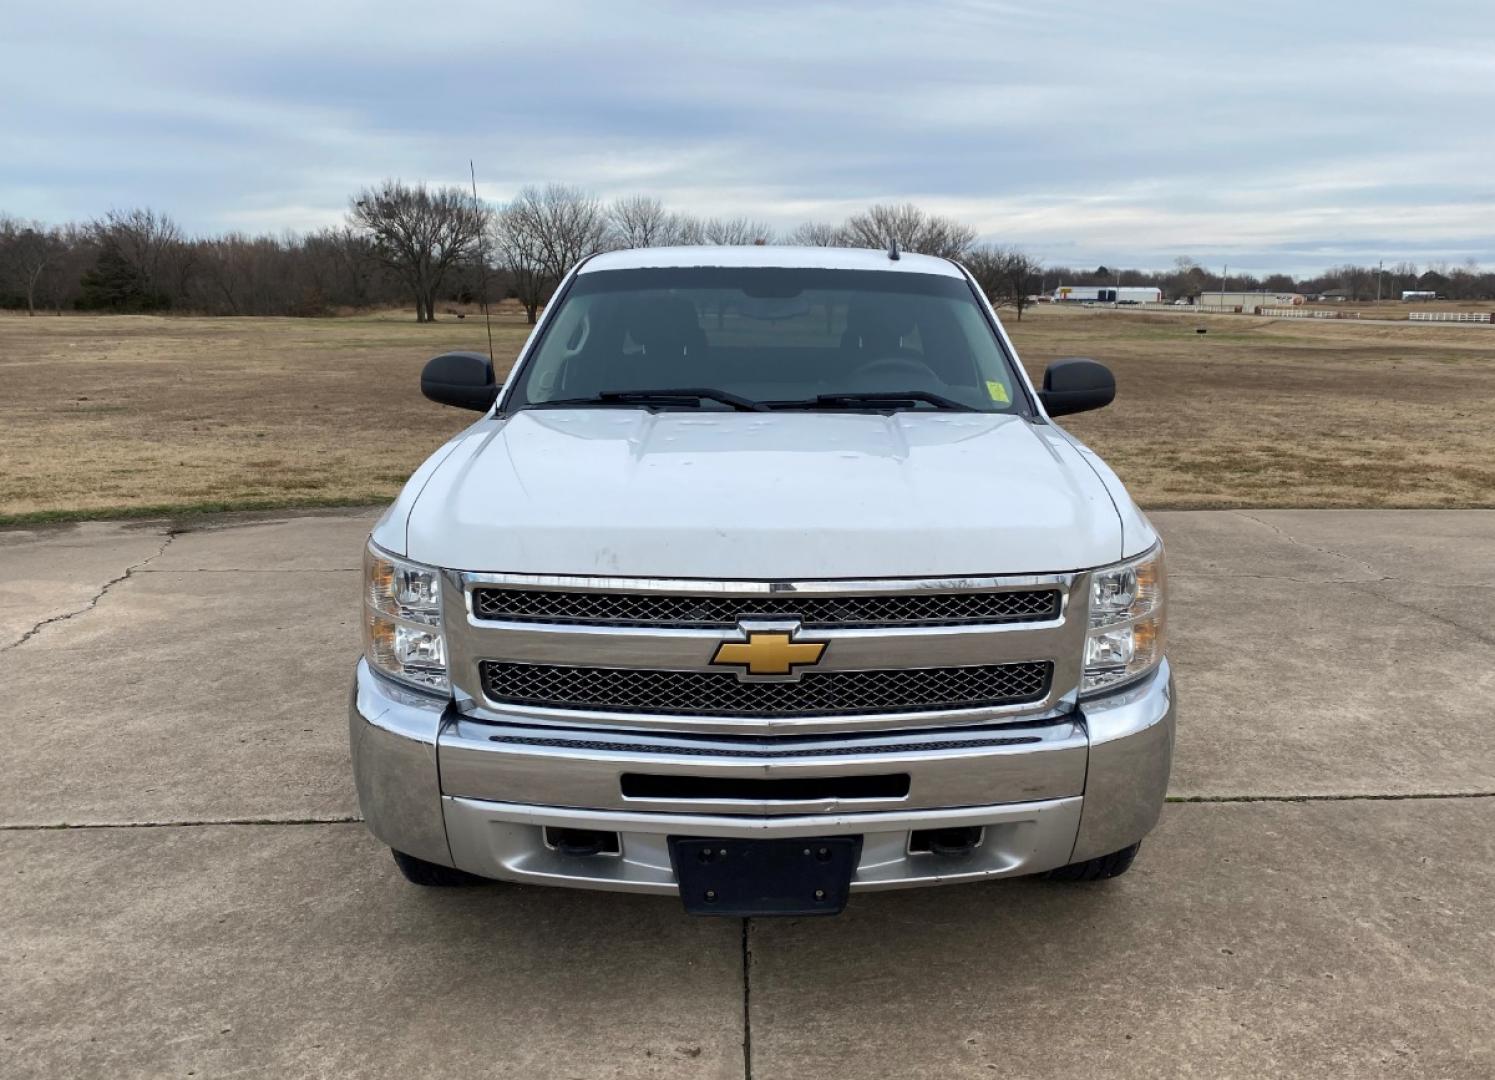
column 815, row 234
column 1187, row 279
column 1358, row 282
column 564, row 223
column 640, row 221
column 927, row 234
column 237, row 274
column 419, row 233
column 735, row 231
column 542, row 234
column 692, row 230
column 63, row 280
column 343, row 263
column 26, row 253
column 985, row 265
column 668, row 228
column 142, row 263
column 1005, row 274
column 521, row 258
column 149, row 243
column 1403, row 276
column 227, row 267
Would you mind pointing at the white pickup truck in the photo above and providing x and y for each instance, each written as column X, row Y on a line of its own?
column 764, row 578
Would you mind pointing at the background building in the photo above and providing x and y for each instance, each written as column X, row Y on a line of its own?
column 1109, row 294
column 1247, row 302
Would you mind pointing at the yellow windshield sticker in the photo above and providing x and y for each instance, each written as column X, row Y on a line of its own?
column 997, row 391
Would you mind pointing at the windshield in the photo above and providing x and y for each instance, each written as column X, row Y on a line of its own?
column 786, row 338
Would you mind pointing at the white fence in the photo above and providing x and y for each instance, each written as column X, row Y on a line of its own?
column 1450, row 316
column 1293, row 312
column 1304, row 313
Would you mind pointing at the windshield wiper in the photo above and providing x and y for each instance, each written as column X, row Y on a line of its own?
column 689, row 393
column 686, row 396
column 891, row 400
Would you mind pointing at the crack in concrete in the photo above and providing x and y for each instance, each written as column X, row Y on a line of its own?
column 1352, row 583
column 747, row 1002
column 260, row 570
column 1179, row 575
column 1374, row 573
column 1408, row 796
column 93, row 602
column 1437, row 617
column 190, row 823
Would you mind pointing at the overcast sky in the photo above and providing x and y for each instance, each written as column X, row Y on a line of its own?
column 1267, row 135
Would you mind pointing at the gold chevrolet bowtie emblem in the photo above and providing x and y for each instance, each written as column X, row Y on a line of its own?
column 769, row 653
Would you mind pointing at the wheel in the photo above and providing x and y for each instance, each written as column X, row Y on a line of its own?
column 432, row 875
column 1098, row 868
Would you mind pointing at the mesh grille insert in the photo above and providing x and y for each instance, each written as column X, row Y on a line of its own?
column 825, row 693
column 720, row 612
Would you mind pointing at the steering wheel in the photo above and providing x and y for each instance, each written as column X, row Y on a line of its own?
column 898, row 365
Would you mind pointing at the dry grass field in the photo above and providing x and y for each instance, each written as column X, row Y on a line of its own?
column 1262, row 412
column 108, row 416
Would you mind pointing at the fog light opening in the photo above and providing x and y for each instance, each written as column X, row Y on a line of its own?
column 580, row 843
column 954, row 842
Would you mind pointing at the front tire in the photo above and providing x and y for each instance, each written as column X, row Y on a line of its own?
column 432, row 875
column 1097, row 869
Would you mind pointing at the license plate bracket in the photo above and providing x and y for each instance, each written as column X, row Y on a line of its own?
column 804, row 876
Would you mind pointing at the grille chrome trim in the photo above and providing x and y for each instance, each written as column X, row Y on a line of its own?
column 816, row 693
column 721, row 750
column 1059, row 641
column 720, row 612
column 819, row 587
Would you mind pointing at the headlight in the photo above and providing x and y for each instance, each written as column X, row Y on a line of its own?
column 1126, row 621
column 402, row 620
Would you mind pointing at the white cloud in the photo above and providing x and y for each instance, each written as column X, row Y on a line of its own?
column 1282, row 135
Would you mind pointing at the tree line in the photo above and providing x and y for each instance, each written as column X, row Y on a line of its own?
column 428, row 246
column 1186, row 278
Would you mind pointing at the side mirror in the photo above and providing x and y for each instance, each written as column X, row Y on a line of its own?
column 463, row 379
column 1076, row 385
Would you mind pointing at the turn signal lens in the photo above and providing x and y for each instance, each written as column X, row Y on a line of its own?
column 404, row 590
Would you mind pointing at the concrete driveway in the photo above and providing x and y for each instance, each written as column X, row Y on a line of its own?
column 186, row 890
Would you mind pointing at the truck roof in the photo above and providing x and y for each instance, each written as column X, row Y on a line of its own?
column 824, row 258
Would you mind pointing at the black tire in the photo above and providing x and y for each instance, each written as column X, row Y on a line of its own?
column 432, row 875
column 1098, row 868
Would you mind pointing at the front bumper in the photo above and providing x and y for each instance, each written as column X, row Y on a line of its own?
column 478, row 796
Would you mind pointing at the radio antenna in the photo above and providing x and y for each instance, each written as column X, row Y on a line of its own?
column 472, row 172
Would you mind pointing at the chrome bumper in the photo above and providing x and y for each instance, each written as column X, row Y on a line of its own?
column 479, row 796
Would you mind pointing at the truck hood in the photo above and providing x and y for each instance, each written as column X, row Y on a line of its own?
column 762, row 497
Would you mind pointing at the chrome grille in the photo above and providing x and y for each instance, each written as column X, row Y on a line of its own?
column 720, row 612
column 709, row 693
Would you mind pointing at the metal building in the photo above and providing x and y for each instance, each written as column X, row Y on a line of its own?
column 1247, row 303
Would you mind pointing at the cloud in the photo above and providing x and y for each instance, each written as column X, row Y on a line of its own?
column 1277, row 136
